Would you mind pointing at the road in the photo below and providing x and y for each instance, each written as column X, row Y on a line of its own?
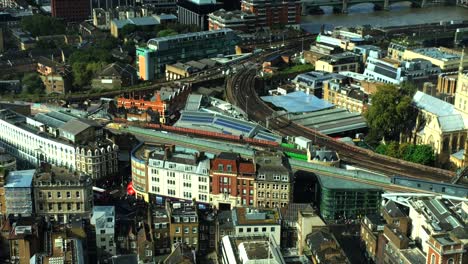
column 244, row 83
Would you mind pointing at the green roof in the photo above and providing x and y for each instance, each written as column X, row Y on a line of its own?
column 337, row 183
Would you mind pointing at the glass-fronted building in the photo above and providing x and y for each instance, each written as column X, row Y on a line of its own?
column 342, row 200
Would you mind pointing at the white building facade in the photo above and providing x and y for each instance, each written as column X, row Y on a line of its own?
column 182, row 175
column 103, row 220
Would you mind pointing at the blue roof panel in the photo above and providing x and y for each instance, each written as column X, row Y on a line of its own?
column 298, row 102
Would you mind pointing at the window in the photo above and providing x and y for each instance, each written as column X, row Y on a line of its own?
column 255, row 229
column 51, row 207
column 186, row 230
column 148, row 253
column 220, row 167
column 103, row 239
column 263, row 229
column 450, row 261
column 41, row 206
column 59, row 195
column 249, row 229
column 272, row 229
column 194, row 230
column 276, row 177
column 177, row 229
column 68, row 194
column 103, row 231
column 433, row 259
column 241, row 230
column 69, row 206
column 78, row 206
column 40, row 194
column 261, row 176
column 229, row 168
column 77, row 194
column 49, row 195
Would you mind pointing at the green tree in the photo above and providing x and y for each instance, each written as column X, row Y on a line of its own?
column 32, row 84
column 423, row 154
column 127, row 30
column 40, row 25
column 166, row 33
column 391, row 111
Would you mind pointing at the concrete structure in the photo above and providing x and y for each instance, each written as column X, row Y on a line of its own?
column 170, row 172
column 243, row 250
column 195, row 12
column 61, row 195
column 7, row 161
column 183, row 70
column 322, row 156
column 146, row 63
column 251, row 222
column 270, row 13
column 307, row 222
column 103, row 220
column 347, row 61
column 71, row 10
column 18, row 193
column 445, row 59
column 198, row 45
column 232, row 181
column 274, row 180
column 184, row 225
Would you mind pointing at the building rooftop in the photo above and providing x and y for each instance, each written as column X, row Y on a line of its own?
column 393, row 210
column 438, row 212
column 324, row 246
column 337, row 183
column 249, row 216
column 438, row 53
column 262, row 249
column 19, row 179
column 48, row 174
column 298, row 102
column 162, row 43
column 413, row 255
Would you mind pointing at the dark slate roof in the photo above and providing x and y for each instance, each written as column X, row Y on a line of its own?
column 118, row 69
column 393, row 210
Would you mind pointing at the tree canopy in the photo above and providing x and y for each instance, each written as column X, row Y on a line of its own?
column 391, row 111
column 32, row 84
column 422, row 154
column 40, row 25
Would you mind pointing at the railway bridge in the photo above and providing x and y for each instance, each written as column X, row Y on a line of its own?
column 310, row 6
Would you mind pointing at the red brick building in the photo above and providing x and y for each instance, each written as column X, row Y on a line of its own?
column 444, row 249
column 71, row 10
column 269, row 13
column 167, row 102
column 232, row 181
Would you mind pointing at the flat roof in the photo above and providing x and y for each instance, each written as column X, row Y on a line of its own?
column 437, row 53
column 336, row 183
column 20, row 179
column 298, row 102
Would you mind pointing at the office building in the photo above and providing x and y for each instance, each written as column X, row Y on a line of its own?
column 306, row 220
column 71, row 10
column 60, row 194
column 274, row 180
column 184, row 224
column 341, row 199
column 250, row 222
column 242, row 250
column 232, row 181
column 183, row 47
column 444, row 58
column 60, row 138
column 396, row 72
column 235, row 20
column 270, row 13
column 445, row 248
column 19, row 193
column 170, row 172
column 195, row 12
column 103, row 220
column 347, row 61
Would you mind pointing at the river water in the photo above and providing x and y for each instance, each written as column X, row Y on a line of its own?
column 399, row 15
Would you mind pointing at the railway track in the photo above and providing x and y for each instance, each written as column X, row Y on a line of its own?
column 241, row 90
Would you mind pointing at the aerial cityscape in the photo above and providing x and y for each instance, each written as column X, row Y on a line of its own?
column 233, row 131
